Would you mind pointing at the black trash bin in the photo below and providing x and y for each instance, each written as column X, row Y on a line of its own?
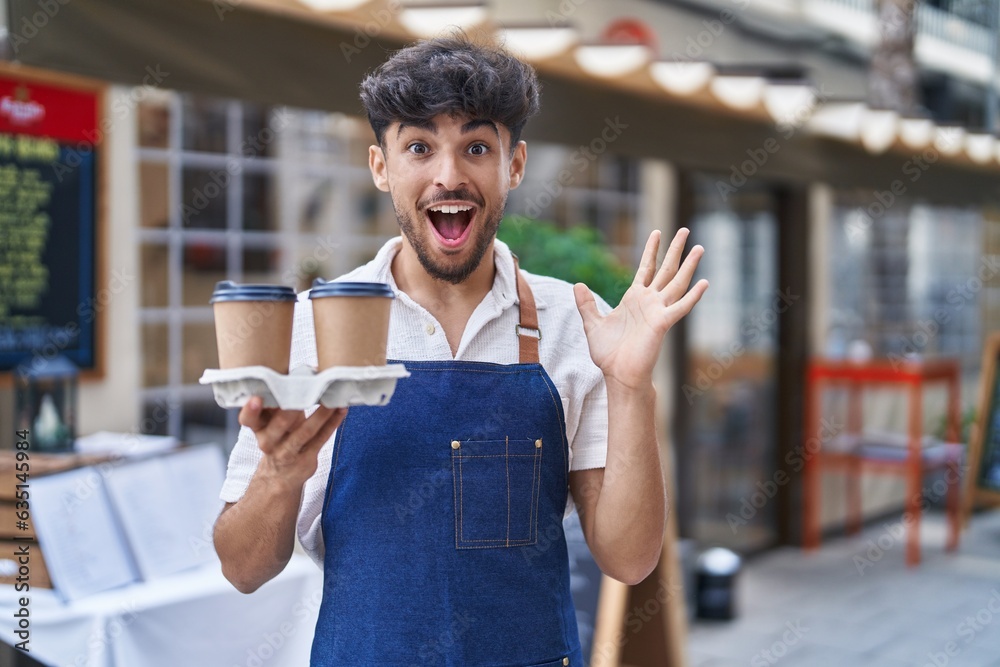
column 716, row 584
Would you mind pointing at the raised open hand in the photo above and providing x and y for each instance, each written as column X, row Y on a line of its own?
column 625, row 343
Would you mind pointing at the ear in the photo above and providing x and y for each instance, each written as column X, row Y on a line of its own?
column 378, row 167
column 517, row 162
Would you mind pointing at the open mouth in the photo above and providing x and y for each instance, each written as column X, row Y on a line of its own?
column 451, row 222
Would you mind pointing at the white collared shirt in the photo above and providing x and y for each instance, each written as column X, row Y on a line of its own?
column 488, row 337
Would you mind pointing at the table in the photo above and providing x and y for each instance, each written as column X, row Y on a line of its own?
column 911, row 376
column 194, row 618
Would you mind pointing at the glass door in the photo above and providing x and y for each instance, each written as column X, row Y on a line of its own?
column 726, row 407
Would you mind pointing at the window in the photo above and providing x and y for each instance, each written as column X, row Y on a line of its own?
column 231, row 190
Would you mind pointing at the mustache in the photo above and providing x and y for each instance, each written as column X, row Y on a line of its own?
column 450, row 195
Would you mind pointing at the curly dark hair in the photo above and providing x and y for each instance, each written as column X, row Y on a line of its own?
column 450, row 75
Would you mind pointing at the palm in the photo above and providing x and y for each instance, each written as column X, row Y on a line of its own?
column 625, row 343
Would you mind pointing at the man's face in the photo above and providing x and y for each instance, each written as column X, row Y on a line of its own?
column 449, row 181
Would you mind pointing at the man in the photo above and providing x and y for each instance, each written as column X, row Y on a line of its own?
column 438, row 518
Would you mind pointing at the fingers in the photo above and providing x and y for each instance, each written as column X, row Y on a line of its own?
column 311, row 428
column 274, row 427
column 270, row 421
column 325, row 429
column 682, row 279
column 252, row 415
column 673, row 257
column 586, row 304
column 647, row 265
column 683, row 306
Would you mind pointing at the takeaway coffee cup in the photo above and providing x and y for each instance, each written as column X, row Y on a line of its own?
column 253, row 324
column 351, row 321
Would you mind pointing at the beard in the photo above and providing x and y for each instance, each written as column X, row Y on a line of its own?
column 417, row 236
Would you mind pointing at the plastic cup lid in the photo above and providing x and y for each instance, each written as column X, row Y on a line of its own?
column 227, row 290
column 321, row 289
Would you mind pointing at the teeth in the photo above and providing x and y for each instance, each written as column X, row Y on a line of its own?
column 450, row 208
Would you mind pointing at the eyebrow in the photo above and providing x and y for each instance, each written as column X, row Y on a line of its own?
column 428, row 125
column 423, row 125
column 477, row 123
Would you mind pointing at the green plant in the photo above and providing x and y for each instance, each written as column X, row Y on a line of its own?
column 576, row 255
column 967, row 419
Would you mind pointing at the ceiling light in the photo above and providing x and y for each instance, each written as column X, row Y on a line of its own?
column 841, row 120
column 539, row 42
column 611, row 60
column 789, row 103
column 431, row 20
column 682, row 77
column 949, row 140
column 980, row 148
column 738, row 92
column 916, row 133
column 333, row 5
column 878, row 129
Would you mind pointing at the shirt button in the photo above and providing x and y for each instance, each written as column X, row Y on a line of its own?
column 430, row 329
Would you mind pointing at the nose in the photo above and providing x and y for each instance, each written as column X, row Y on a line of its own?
column 450, row 173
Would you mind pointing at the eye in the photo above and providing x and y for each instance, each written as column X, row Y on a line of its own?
column 479, row 149
column 418, row 148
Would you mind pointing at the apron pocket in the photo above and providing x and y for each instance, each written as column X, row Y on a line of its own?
column 496, row 492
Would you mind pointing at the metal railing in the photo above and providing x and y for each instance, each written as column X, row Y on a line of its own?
column 953, row 28
column 963, row 23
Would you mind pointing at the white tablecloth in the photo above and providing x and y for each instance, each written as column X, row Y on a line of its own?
column 191, row 619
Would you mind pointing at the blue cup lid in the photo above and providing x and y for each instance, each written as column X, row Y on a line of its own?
column 322, row 288
column 227, row 290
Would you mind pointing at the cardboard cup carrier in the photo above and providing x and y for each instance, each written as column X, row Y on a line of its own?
column 253, row 324
column 352, row 322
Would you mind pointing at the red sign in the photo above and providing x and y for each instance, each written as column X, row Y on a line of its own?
column 38, row 109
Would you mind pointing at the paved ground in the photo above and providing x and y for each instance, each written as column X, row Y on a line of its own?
column 854, row 603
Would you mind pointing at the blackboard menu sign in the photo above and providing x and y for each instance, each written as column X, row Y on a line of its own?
column 989, row 456
column 983, row 478
column 49, row 146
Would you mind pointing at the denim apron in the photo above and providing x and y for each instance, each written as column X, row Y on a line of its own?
column 443, row 521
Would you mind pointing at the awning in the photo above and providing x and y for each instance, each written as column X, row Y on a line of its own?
column 288, row 52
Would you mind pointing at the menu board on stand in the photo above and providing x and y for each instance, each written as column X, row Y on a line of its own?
column 982, row 481
column 50, row 197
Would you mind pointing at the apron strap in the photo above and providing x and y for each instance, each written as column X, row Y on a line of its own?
column 528, row 333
